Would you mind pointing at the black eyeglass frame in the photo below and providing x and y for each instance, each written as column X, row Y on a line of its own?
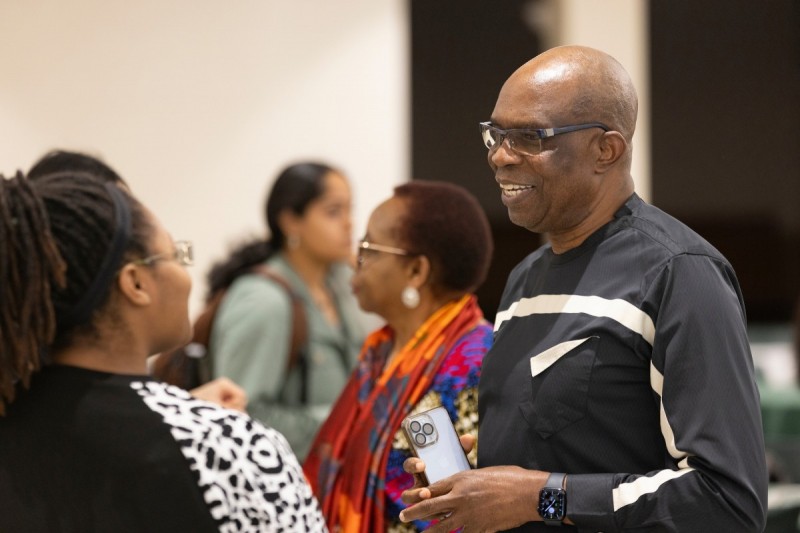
column 537, row 134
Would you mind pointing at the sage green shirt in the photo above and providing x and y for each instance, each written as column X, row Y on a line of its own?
column 250, row 343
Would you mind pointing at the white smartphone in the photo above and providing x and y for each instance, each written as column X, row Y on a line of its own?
column 433, row 439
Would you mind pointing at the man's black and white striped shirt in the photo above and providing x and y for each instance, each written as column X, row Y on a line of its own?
column 625, row 364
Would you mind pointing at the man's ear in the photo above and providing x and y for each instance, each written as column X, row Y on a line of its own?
column 132, row 286
column 612, row 147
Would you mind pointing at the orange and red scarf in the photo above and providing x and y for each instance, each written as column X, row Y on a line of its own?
column 347, row 463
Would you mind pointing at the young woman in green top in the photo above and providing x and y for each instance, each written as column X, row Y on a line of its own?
column 308, row 213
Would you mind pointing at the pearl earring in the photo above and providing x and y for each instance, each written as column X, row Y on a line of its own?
column 410, row 297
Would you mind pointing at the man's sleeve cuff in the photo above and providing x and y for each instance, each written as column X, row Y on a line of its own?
column 590, row 502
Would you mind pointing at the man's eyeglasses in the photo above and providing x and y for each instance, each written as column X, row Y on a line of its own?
column 528, row 141
column 364, row 246
column 183, row 254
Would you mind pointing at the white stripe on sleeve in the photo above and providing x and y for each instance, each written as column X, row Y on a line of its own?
column 628, row 493
column 618, row 310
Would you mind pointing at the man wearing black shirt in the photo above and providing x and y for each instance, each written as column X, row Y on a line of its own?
column 619, row 393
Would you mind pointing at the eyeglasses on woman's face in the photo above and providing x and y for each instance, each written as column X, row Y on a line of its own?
column 183, row 254
column 365, row 247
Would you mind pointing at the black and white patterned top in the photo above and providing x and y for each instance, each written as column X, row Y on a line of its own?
column 92, row 451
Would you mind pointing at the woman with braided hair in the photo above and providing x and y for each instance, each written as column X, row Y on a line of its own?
column 91, row 284
column 220, row 390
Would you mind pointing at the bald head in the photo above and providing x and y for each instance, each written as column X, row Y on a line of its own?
column 586, row 84
column 575, row 180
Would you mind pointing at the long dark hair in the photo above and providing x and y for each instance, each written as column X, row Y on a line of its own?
column 294, row 189
column 55, row 235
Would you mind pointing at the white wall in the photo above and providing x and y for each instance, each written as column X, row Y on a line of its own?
column 619, row 28
column 198, row 104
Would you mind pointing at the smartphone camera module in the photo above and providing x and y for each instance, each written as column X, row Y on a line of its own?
column 422, row 431
column 431, row 436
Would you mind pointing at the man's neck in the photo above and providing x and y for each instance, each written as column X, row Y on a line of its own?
column 602, row 214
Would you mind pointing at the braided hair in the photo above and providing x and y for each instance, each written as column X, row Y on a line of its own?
column 55, row 233
column 60, row 160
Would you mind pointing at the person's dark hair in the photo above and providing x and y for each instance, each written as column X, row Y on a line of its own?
column 294, row 189
column 56, row 233
column 63, row 160
column 445, row 223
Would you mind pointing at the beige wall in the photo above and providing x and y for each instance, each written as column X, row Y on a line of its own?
column 618, row 27
column 199, row 103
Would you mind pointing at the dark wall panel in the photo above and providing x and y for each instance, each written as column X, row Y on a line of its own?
column 462, row 52
column 725, row 87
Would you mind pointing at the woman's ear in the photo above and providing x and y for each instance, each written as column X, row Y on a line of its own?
column 419, row 270
column 132, row 286
column 289, row 223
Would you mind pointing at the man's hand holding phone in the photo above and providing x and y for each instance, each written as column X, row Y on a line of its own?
column 433, row 439
column 485, row 499
column 416, row 466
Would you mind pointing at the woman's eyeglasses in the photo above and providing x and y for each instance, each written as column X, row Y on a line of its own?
column 183, row 254
column 364, row 246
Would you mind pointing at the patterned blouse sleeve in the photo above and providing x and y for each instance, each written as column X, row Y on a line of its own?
column 246, row 472
column 456, row 388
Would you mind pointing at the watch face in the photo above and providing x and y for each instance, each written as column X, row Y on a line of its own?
column 552, row 504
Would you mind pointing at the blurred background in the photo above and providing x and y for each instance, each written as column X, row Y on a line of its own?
column 198, row 104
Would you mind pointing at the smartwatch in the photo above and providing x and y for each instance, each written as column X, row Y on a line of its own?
column 553, row 500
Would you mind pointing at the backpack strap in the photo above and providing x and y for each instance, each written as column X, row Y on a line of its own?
column 298, row 344
column 299, row 338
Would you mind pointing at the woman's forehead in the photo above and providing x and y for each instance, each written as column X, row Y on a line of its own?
column 386, row 217
column 159, row 235
column 335, row 185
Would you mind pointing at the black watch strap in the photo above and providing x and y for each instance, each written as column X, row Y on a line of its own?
column 555, row 482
